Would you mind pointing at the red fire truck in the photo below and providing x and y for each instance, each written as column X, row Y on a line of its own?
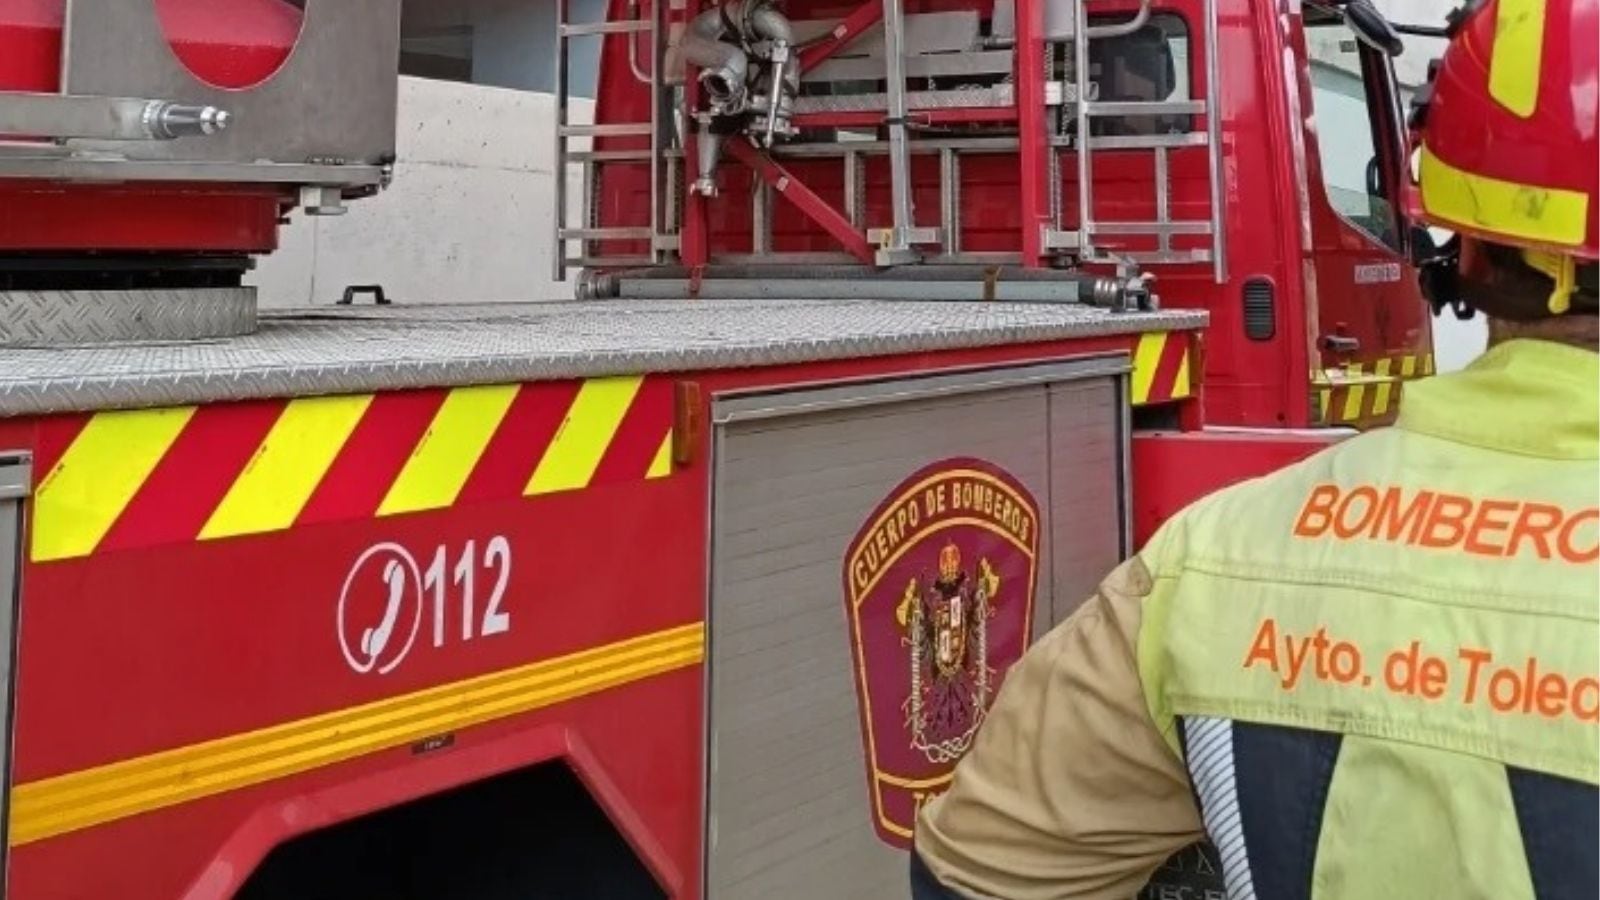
column 899, row 325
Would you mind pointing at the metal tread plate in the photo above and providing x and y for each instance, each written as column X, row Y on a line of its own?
column 353, row 350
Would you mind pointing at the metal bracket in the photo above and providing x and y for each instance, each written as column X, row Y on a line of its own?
column 896, row 245
column 333, row 102
column 16, row 474
column 105, row 118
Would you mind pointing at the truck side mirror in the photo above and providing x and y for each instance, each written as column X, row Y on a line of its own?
column 1375, row 179
column 1372, row 28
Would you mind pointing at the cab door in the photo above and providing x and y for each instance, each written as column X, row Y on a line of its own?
column 1372, row 327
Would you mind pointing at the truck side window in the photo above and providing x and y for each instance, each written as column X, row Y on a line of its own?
column 1346, row 142
column 1148, row 65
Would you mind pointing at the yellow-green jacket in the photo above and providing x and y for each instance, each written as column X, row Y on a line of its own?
column 1374, row 674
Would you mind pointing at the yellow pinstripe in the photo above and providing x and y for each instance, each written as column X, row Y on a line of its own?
column 590, row 424
column 88, row 488
column 65, row 803
column 288, row 465
column 451, row 447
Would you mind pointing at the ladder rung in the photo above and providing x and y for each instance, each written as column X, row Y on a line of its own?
column 1162, row 257
column 1060, row 240
column 1141, row 141
column 610, row 129
column 609, row 155
column 624, row 26
column 640, row 233
column 608, row 262
column 1191, row 227
column 1146, row 108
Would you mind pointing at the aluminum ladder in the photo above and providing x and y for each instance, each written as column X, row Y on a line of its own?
column 575, row 146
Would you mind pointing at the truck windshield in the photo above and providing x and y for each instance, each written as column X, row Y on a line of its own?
column 1346, row 141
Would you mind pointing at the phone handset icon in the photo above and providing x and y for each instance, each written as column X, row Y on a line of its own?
column 379, row 647
column 373, row 640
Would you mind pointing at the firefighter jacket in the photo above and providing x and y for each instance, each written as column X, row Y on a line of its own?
column 1373, row 674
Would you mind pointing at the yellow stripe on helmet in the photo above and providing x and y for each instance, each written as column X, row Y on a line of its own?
column 1527, row 211
column 1515, row 62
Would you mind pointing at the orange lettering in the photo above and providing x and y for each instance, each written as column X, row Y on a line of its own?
column 1568, row 551
column 1549, row 517
column 1451, row 511
column 1482, row 525
column 1265, row 647
column 1588, row 712
column 1528, row 685
column 1344, row 661
column 1341, row 521
column 1434, row 677
column 1390, row 521
column 1317, row 514
column 1501, row 700
column 1475, row 660
column 1552, row 695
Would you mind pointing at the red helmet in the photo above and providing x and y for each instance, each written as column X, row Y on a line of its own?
column 1509, row 145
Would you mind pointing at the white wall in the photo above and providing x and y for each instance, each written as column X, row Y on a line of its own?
column 468, row 217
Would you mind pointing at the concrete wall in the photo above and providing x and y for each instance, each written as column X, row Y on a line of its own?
column 468, row 217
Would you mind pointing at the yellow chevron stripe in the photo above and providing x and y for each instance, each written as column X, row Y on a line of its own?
column 661, row 465
column 584, row 435
column 93, row 482
column 449, row 450
column 1146, row 357
column 53, row 806
column 1408, row 365
column 1380, row 393
column 1354, row 394
column 288, row 465
column 1427, row 364
column 1180, row 384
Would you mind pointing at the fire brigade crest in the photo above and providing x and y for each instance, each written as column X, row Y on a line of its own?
column 939, row 588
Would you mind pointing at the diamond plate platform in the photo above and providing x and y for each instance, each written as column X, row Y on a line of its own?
column 52, row 318
column 330, row 351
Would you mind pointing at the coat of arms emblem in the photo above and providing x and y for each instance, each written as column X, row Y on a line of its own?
column 947, row 634
column 939, row 587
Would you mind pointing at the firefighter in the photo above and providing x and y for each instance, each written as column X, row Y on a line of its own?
column 1375, row 673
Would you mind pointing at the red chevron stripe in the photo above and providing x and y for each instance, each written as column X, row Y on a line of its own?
column 56, row 434
column 1172, row 350
column 373, row 456
column 639, row 436
column 524, row 434
column 186, row 486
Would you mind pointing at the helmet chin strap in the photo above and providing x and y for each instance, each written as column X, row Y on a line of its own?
column 1562, row 270
column 1438, row 274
